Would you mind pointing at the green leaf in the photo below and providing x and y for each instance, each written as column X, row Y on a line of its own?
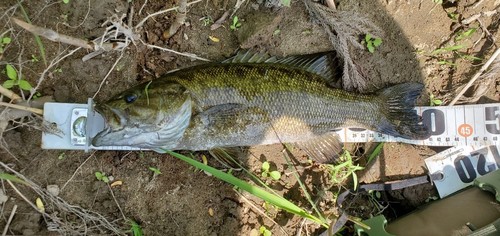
column 276, row 175
column 465, row 34
column 11, row 72
column 23, row 84
column 438, row 102
column 156, row 171
column 448, row 49
column 99, row 175
column 6, row 40
column 105, row 179
column 355, row 180
column 377, row 194
column 135, row 228
column 377, row 42
column 368, row 37
column 264, row 174
column 286, row 3
column 375, row 153
column 65, row 1
column 267, row 233
column 12, row 178
column 262, row 229
column 9, row 84
column 265, row 166
column 235, row 20
column 370, row 47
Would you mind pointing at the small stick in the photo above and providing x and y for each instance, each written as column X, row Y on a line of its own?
column 476, row 76
column 12, row 213
column 331, row 4
column 24, row 197
column 52, row 35
column 30, row 109
column 175, row 52
column 9, row 94
column 107, row 75
column 259, row 210
column 161, row 12
column 116, row 201
column 74, row 173
column 180, row 19
column 218, row 23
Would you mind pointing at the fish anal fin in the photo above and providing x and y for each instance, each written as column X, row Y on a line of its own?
column 325, row 148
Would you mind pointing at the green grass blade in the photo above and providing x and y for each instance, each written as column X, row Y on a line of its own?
column 277, row 201
column 12, row 178
column 37, row 38
column 302, row 186
column 375, row 153
column 254, row 177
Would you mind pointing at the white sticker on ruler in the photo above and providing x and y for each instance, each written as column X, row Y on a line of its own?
column 459, row 166
column 450, row 126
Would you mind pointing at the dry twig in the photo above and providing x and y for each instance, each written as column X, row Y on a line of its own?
column 476, row 76
column 12, row 213
column 8, row 93
column 179, row 19
column 23, row 108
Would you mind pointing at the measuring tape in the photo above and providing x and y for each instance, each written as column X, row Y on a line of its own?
column 473, row 131
column 476, row 125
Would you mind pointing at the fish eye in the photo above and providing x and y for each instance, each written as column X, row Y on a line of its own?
column 130, row 98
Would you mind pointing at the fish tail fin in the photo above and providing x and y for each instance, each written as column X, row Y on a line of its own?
column 401, row 118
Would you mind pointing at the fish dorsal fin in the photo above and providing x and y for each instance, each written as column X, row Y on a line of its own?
column 324, row 148
column 325, row 64
column 250, row 56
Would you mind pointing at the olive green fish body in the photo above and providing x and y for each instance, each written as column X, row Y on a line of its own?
column 264, row 103
column 251, row 100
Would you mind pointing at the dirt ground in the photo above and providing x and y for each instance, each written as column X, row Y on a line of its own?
column 182, row 200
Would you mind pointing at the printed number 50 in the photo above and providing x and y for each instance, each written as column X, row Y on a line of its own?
column 492, row 116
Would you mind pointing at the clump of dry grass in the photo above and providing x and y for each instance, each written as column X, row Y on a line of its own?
column 344, row 30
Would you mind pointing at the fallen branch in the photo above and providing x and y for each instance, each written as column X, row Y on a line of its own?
column 8, row 93
column 52, row 35
column 19, row 107
column 476, row 76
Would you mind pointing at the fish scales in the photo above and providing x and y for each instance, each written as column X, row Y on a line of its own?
column 246, row 104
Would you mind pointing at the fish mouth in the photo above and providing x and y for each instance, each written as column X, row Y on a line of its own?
column 115, row 122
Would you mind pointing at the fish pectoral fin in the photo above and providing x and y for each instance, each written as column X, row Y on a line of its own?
column 325, row 64
column 228, row 156
column 325, row 148
column 232, row 115
column 223, row 110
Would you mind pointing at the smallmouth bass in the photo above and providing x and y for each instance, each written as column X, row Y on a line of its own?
column 252, row 99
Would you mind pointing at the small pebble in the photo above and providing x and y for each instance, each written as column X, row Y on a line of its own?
column 211, row 211
column 3, row 197
column 53, row 189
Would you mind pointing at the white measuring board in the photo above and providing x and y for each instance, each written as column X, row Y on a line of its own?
column 459, row 166
column 464, row 125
